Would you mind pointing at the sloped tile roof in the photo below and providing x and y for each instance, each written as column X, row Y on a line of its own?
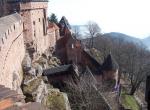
column 110, row 63
column 57, row 70
column 65, row 22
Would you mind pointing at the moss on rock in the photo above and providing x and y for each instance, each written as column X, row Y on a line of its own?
column 56, row 101
column 32, row 86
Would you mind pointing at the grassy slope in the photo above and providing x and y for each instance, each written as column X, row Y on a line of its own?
column 129, row 102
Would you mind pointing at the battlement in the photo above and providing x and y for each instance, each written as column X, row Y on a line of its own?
column 32, row 5
column 8, row 25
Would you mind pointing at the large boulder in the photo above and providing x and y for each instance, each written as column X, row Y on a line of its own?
column 26, row 63
column 57, row 100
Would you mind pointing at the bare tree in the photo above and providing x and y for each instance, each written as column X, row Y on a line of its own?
column 133, row 59
column 84, row 95
column 76, row 31
column 137, row 65
column 93, row 29
column 103, row 44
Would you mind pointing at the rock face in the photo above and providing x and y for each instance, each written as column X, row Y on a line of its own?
column 35, row 86
column 34, row 89
column 38, row 68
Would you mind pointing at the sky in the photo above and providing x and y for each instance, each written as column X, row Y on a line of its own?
column 131, row 17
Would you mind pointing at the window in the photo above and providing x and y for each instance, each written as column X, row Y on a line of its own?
column 44, row 27
column 34, row 34
column 33, row 22
column 23, row 26
column 39, row 20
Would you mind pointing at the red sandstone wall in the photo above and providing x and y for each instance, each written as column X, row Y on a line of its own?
column 51, row 38
column 12, row 52
column 33, row 5
column 34, row 16
column 109, row 75
column 74, row 50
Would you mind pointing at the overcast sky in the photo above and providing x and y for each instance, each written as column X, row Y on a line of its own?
column 131, row 17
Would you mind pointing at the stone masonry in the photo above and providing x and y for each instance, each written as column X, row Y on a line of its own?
column 24, row 24
column 12, row 50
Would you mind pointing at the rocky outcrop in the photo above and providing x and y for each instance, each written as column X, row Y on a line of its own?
column 35, row 86
column 57, row 100
column 26, row 63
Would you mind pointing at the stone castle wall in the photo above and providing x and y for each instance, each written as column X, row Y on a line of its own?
column 35, row 24
column 36, row 30
column 16, row 30
column 12, row 51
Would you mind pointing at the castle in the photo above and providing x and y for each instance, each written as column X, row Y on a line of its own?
column 24, row 27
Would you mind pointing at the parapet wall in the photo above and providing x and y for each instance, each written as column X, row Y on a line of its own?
column 33, row 5
column 12, row 50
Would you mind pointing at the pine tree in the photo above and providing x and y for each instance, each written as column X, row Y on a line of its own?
column 53, row 18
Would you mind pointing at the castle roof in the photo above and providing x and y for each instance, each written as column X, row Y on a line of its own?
column 64, row 22
column 7, row 21
column 110, row 63
column 58, row 70
column 94, row 61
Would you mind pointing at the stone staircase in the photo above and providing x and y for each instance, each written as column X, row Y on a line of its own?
column 111, row 100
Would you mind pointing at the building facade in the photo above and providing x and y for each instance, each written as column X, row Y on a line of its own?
column 36, row 32
column 23, row 24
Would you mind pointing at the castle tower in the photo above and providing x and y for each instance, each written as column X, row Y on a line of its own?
column 110, row 68
column 34, row 16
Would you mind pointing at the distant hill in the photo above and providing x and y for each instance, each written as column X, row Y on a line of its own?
column 117, row 35
column 114, row 35
column 146, row 42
